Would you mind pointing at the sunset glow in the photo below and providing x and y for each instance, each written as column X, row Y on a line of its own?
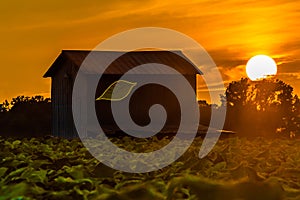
column 34, row 33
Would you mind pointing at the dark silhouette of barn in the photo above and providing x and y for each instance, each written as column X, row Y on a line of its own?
column 63, row 73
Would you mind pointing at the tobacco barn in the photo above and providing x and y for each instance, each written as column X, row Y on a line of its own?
column 64, row 69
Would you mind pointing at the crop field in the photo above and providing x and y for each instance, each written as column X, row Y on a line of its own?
column 237, row 168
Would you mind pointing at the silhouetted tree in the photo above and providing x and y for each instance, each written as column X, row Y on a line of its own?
column 237, row 93
column 4, row 107
column 26, row 116
column 262, row 107
column 205, row 112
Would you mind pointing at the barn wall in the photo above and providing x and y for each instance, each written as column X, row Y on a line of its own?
column 142, row 100
column 61, row 94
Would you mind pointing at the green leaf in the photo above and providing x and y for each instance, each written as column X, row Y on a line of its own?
column 2, row 171
column 219, row 166
column 83, row 193
column 16, row 143
column 13, row 191
column 121, row 89
column 59, row 194
column 36, row 176
column 38, row 163
column 62, row 179
column 76, row 172
column 16, row 173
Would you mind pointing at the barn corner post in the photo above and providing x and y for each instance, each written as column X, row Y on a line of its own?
column 62, row 77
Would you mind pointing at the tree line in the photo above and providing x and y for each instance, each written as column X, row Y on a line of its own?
column 254, row 108
column 25, row 116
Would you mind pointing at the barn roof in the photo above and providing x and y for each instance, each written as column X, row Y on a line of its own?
column 123, row 63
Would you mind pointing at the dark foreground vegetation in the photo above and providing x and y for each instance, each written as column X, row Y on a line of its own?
column 237, row 168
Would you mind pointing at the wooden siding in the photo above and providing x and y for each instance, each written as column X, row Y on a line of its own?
column 61, row 95
column 142, row 100
column 140, row 103
column 63, row 73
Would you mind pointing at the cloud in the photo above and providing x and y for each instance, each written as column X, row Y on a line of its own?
column 227, row 58
column 289, row 67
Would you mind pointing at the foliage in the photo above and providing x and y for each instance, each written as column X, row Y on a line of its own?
column 4, row 107
column 26, row 116
column 262, row 106
column 205, row 112
column 55, row 168
column 23, row 100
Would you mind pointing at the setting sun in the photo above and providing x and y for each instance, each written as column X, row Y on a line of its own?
column 260, row 66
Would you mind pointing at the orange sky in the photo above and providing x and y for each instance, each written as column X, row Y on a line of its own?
column 34, row 32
